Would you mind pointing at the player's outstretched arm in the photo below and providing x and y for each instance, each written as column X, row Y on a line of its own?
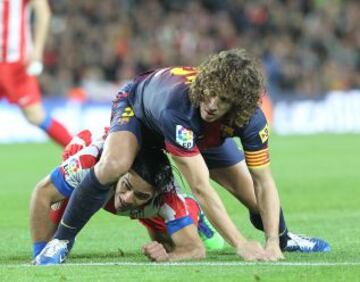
column 42, row 15
column 185, row 245
column 269, row 207
column 196, row 173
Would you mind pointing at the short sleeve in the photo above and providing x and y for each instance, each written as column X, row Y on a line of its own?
column 254, row 139
column 174, row 212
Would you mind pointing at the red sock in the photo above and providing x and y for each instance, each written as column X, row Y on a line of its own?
column 57, row 211
column 58, row 132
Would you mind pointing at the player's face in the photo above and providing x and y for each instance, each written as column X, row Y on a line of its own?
column 132, row 191
column 214, row 108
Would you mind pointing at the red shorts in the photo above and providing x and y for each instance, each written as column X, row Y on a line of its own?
column 17, row 86
column 157, row 224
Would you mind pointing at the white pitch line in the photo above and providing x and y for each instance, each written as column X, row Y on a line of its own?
column 180, row 264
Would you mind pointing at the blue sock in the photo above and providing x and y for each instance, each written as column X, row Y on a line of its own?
column 37, row 247
column 85, row 200
column 258, row 224
column 44, row 125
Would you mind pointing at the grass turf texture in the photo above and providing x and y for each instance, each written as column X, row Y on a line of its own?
column 318, row 179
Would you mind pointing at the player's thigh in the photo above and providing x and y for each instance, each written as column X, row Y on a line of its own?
column 122, row 143
column 237, row 180
column 228, row 168
column 46, row 190
column 17, row 86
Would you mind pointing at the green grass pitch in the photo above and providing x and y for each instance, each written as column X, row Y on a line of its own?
column 318, row 178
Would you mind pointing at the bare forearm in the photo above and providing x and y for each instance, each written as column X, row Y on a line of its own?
column 41, row 25
column 187, row 254
column 269, row 206
column 197, row 175
column 216, row 213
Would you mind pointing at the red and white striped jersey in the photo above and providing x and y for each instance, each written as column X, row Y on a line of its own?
column 15, row 36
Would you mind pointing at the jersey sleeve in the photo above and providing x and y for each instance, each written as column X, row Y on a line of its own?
column 174, row 212
column 254, row 139
column 178, row 134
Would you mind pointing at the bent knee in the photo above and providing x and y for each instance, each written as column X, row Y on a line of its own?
column 109, row 169
column 46, row 190
column 34, row 117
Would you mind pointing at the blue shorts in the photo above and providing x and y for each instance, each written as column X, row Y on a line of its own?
column 227, row 154
column 124, row 119
column 122, row 114
column 58, row 179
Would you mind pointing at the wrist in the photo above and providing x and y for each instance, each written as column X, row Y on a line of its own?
column 272, row 239
column 240, row 244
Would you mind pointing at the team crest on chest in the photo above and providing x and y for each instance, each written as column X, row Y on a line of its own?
column 227, row 131
column 184, row 137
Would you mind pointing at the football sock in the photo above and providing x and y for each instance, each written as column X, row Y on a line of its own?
column 86, row 199
column 258, row 224
column 55, row 131
column 37, row 247
column 55, row 215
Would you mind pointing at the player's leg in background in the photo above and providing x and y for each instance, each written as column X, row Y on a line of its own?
column 23, row 90
column 41, row 226
column 36, row 115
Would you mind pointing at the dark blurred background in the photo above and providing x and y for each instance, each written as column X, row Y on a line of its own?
column 307, row 47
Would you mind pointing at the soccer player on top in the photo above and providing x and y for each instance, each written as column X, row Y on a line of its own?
column 193, row 113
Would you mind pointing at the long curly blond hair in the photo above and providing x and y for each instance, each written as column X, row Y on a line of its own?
column 233, row 76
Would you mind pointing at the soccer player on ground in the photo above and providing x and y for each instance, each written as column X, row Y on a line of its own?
column 20, row 62
column 193, row 114
column 147, row 192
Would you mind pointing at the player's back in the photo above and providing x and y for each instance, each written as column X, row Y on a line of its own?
column 15, row 30
column 162, row 91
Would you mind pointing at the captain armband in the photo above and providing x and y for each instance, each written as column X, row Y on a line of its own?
column 257, row 159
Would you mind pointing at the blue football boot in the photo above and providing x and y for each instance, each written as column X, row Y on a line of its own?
column 303, row 244
column 55, row 252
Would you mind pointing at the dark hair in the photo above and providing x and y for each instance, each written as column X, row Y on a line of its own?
column 233, row 75
column 154, row 167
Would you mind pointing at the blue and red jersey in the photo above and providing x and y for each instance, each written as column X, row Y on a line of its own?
column 160, row 100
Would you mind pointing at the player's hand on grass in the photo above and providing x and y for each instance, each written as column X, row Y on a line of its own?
column 155, row 252
column 251, row 251
column 272, row 249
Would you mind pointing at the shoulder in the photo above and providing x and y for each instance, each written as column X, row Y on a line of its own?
column 254, row 136
column 257, row 121
column 256, row 124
